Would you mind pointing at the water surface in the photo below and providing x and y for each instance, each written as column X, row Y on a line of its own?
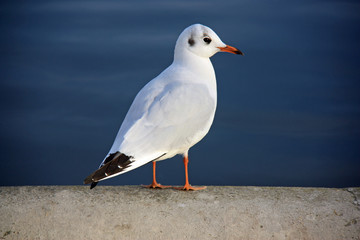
column 288, row 111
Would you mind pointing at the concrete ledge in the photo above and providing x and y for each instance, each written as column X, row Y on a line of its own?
column 132, row 212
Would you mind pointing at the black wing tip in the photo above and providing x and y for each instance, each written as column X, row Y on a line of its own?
column 89, row 180
column 93, row 184
column 114, row 163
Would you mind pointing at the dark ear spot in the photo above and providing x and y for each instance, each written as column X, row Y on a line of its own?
column 191, row 41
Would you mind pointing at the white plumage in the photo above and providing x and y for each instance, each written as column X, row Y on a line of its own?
column 173, row 111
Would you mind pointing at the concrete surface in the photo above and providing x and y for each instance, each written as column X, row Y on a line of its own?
column 132, row 212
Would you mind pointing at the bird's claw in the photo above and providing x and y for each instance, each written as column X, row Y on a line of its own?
column 156, row 185
column 188, row 187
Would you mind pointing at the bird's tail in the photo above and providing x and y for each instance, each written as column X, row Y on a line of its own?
column 113, row 165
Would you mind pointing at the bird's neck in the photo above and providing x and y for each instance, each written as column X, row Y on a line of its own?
column 202, row 66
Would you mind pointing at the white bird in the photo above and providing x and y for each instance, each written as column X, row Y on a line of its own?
column 172, row 112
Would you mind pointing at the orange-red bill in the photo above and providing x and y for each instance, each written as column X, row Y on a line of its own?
column 231, row 49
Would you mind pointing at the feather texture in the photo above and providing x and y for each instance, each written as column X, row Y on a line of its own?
column 114, row 163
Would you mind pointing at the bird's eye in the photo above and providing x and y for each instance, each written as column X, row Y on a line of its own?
column 207, row 40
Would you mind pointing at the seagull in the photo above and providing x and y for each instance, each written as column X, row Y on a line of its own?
column 171, row 113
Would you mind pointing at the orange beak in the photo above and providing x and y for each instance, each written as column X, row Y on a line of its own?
column 231, row 49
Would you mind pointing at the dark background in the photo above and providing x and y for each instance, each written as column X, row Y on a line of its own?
column 288, row 111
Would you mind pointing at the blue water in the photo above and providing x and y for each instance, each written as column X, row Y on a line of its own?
column 288, row 111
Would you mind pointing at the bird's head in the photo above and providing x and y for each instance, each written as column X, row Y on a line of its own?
column 202, row 41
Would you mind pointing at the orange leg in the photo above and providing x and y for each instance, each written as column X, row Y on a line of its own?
column 154, row 184
column 187, row 186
